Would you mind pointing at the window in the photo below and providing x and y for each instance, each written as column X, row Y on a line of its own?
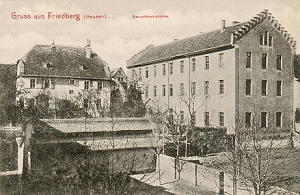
column 98, row 104
column 261, row 39
column 71, row 82
column 32, row 83
column 181, row 88
column 140, row 72
column 146, row 72
column 206, row 87
column 248, row 119
column 52, row 84
column 193, row 88
column 71, row 91
column 154, row 91
column 181, row 66
column 248, row 86
column 206, row 62
column 248, row 60
column 164, row 69
column 279, row 62
column 46, row 83
column 279, row 88
column 154, row 71
column 85, row 103
column 221, row 86
column 171, row 68
column 100, row 85
column 164, row 90
column 171, row 90
column 278, row 119
column 221, row 119
column 206, row 118
column 120, row 79
column 193, row 119
column 264, row 91
column 264, row 61
column 221, row 63
column 146, row 92
column 91, row 83
column 181, row 117
column 193, row 64
column 266, row 39
column 86, row 85
column 263, row 119
column 270, row 40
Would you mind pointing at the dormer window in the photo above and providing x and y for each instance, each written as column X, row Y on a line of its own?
column 83, row 67
column 266, row 39
column 47, row 65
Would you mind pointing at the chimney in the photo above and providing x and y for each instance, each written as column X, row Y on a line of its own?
column 20, row 67
column 222, row 25
column 53, row 46
column 88, row 49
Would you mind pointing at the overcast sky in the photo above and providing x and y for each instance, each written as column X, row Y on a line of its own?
column 120, row 36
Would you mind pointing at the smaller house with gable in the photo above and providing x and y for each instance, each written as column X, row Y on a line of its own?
column 64, row 72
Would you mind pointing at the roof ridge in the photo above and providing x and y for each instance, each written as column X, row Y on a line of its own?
column 69, row 46
column 203, row 33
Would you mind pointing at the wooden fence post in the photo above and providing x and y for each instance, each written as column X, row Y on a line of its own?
column 196, row 172
column 20, row 155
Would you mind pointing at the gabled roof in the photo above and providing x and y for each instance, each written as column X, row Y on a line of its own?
column 204, row 42
column 66, row 61
column 114, row 71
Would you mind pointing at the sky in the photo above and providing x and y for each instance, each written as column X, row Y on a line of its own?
column 119, row 36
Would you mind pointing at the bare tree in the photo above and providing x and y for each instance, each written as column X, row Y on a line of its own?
column 255, row 155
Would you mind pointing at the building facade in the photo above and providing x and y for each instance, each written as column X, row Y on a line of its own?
column 239, row 72
column 119, row 81
column 64, row 72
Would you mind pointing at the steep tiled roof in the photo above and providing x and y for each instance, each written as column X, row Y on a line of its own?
column 204, row 42
column 197, row 43
column 66, row 61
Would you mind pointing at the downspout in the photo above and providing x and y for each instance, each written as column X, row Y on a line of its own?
column 168, row 84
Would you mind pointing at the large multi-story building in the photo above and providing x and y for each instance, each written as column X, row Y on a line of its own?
column 64, row 72
column 238, row 72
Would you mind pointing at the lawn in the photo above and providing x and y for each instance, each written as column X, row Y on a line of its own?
column 287, row 176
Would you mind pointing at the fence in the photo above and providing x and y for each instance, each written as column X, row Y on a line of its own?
column 198, row 175
column 20, row 152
